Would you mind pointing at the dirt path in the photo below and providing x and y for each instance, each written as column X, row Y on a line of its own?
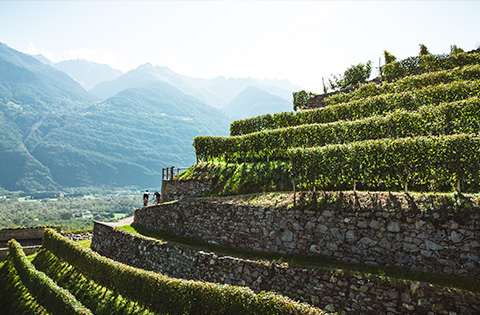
column 122, row 222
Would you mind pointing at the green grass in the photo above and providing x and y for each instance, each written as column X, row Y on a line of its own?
column 231, row 179
column 318, row 261
column 85, row 243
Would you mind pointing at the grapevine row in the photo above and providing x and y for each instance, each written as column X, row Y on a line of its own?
column 54, row 298
column 163, row 294
column 470, row 72
column 434, row 162
column 447, row 118
column 371, row 106
column 427, row 63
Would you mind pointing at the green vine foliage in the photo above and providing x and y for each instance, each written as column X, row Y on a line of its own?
column 165, row 295
column 301, row 98
column 431, row 163
column 14, row 295
column 361, row 108
column 427, row 63
column 420, row 130
column 55, row 299
column 446, row 118
column 466, row 73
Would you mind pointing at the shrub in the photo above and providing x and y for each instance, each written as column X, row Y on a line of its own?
column 354, row 75
column 301, row 98
column 389, row 58
column 423, row 50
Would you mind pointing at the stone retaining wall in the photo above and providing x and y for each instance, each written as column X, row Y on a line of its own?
column 328, row 289
column 394, row 233
column 180, row 189
column 29, row 238
column 24, row 233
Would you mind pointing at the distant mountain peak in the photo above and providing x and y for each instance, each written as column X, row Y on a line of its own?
column 154, row 70
column 254, row 101
column 88, row 73
column 146, row 65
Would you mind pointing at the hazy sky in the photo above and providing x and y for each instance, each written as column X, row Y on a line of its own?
column 301, row 41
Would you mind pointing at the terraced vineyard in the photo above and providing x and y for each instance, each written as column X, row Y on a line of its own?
column 419, row 132
column 65, row 278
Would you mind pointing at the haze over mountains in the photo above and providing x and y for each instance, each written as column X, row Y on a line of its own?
column 123, row 130
column 87, row 73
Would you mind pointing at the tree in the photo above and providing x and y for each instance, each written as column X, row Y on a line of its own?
column 66, row 215
column 389, row 58
column 424, row 50
column 301, row 98
column 354, row 75
column 455, row 50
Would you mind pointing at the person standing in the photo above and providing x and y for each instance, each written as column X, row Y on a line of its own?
column 156, row 195
column 145, row 198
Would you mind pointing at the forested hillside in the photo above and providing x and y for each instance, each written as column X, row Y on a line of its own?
column 54, row 134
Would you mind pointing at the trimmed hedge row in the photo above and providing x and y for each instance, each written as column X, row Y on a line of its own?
column 430, row 162
column 54, row 298
column 100, row 300
column 163, row 294
column 427, row 63
column 447, row 118
column 470, row 72
column 14, row 296
column 375, row 105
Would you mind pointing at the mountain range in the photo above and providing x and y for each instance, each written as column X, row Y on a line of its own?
column 54, row 133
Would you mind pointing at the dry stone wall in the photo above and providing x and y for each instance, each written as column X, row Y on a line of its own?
column 177, row 190
column 24, row 233
column 390, row 234
column 328, row 289
column 29, row 238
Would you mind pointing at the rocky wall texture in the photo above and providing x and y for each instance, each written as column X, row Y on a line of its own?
column 331, row 290
column 177, row 190
column 392, row 233
column 24, row 233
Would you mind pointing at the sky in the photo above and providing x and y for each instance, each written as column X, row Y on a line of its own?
column 301, row 41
